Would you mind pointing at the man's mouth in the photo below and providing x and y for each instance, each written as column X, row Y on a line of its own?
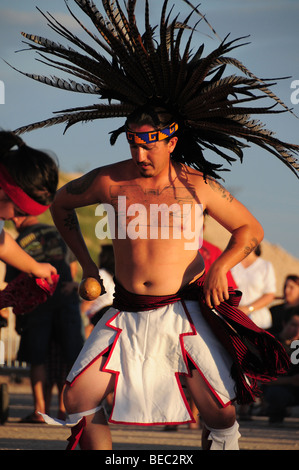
column 144, row 165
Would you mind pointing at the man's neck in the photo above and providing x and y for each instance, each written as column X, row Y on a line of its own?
column 160, row 181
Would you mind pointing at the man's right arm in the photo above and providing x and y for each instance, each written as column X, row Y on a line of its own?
column 77, row 193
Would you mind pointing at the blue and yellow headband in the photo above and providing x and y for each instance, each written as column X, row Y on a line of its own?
column 152, row 136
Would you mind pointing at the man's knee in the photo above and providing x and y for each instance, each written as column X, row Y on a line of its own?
column 221, row 417
column 73, row 400
column 227, row 417
column 76, row 402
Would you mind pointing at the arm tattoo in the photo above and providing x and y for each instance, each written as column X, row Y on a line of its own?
column 247, row 249
column 80, row 185
column 71, row 221
column 217, row 187
column 251, row 247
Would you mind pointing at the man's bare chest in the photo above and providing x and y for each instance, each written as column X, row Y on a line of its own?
column 148, row 196
column 135, row 212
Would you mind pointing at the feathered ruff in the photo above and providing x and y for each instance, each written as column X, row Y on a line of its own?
column 128, row 70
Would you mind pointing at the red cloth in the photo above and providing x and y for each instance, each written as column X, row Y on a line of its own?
column 18, row 196
column 210, row 253
column 255, row 352
column 25, row 293
column 76, row 434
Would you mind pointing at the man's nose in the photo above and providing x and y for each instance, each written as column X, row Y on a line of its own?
column 140, row 154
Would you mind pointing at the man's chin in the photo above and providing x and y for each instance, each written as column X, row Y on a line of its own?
column 146, row 172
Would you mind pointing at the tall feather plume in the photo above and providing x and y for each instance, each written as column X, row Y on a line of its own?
column 129, row 69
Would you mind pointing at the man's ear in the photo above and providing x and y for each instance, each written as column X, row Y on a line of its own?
column 172, row 144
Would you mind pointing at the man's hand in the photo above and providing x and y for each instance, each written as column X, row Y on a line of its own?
column 215, row 286
column 93, row 271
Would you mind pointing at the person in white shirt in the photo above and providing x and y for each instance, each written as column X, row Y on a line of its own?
column 255, row 278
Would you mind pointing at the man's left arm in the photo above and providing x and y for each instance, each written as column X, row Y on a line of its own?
column 246, row 234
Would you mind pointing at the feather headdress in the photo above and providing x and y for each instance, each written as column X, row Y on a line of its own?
column 129, row 70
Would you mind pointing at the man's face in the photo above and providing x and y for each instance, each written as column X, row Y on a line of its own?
column 151, row 159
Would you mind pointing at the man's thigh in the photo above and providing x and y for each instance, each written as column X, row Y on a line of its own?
column 210, row 410
column 89, row 388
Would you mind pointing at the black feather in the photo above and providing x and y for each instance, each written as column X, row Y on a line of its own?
column 128, row 69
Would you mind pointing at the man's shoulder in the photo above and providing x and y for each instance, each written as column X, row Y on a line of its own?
column 195, row 178
column 197, row 175
column 114, row 170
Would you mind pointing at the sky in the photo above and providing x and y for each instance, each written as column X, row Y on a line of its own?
column 262, row 183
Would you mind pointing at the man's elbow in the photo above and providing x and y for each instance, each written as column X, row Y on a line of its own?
column 259, row 233
column 57, row 202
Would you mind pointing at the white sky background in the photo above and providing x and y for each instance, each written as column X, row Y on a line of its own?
column 264, row 184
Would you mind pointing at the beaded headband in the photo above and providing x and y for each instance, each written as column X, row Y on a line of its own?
column 152, row 136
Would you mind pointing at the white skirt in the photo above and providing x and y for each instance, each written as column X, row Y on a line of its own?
column 148, row 353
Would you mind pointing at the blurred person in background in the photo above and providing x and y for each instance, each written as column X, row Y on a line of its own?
column 291, row 300
column 284, row 391
column 255, row 278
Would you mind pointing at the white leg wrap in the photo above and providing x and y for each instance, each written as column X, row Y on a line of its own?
column 73, row 418
column 224, row 439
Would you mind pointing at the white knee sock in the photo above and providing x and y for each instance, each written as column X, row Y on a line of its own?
column 224, row 439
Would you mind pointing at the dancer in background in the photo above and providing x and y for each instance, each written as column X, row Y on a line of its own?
column 28, row 182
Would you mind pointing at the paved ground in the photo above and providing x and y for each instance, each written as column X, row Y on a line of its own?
column 256, row 434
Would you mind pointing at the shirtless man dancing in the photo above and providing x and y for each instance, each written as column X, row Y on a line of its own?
column 162, row 326
column 154, row 267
